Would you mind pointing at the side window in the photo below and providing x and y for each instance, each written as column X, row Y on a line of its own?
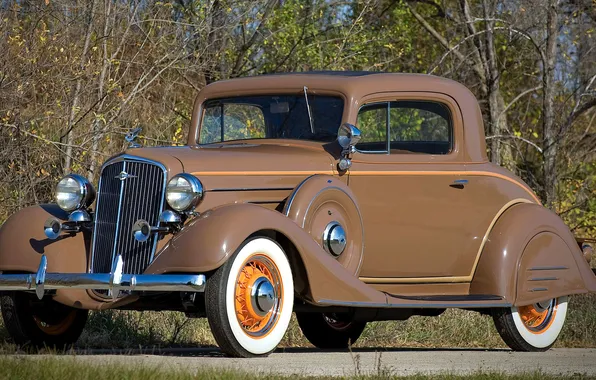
column 419, row 127
column 224, row 122
column 413, row 127
column 372, row 122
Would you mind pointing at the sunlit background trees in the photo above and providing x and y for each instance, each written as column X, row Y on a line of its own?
column 75, row 76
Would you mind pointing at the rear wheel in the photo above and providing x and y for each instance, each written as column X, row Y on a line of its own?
column 330, row 330
column 533, row 327
column 40, row 323
column 249, row 299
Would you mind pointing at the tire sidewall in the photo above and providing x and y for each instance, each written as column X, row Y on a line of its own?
column 547, row 337
column 270, row 249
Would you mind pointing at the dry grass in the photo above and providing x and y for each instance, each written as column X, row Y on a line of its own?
column 71, row 368
column 455, row 328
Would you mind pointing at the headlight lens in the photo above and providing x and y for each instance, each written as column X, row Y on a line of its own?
column 184, row 192
column 74, row 192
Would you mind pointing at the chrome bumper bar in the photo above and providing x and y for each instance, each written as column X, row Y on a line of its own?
column 115, row 281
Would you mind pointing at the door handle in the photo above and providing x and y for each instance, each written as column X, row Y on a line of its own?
column 459, row 183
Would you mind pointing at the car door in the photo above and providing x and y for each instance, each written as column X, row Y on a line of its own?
column 408, row 174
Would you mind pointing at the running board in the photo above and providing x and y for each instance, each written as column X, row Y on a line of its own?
column 473, row 301
column 450, row 298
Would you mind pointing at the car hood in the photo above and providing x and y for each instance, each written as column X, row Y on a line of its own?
column 215, row 164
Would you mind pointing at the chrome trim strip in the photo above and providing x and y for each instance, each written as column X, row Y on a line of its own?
column 288, row 204
column 122, row 184
column 114, row 282
column 139, row 282
column 548, row 268
column 544, row 279
column 266, row 202
column 422, row 305
column 251, row 189
column 388, row 131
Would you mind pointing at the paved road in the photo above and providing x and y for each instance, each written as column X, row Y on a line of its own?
column 397, row 361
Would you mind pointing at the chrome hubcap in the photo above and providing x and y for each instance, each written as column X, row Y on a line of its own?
column 263, row 296
column 334, row 239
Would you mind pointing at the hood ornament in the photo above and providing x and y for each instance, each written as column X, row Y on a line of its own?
column 132, row 136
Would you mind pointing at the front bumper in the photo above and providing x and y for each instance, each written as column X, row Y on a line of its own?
column 114, row 281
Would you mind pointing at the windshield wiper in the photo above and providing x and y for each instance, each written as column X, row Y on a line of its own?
column 312, row 129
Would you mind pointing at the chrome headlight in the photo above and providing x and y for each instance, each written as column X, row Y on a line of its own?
column 184, row 192
column 74, row 192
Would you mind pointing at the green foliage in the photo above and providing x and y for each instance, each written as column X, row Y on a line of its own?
column 146, row 61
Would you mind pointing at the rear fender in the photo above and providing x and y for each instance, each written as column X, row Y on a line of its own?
column 212, row 238
column 531, row 256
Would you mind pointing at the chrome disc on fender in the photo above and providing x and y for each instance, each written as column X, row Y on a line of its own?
column 334, row 239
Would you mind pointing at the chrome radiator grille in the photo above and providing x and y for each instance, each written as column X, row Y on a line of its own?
column 129, row 190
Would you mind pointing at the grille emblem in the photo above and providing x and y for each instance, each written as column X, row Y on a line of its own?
column 124, row 175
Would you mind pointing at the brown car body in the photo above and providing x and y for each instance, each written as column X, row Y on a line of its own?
column 414, row 239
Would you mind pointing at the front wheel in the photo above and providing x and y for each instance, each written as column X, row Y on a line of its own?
column 533, row 327
column 41, row 323
column 330, row 330
column 249, row 299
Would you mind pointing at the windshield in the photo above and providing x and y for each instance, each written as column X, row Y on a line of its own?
column 271, row 117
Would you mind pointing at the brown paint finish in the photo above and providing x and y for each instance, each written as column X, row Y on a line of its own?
column 21, row 247
column 541, row 272
column 320, row 200
column 438, row 289
column 211, row 239
column 530, row 236
column 414, row 228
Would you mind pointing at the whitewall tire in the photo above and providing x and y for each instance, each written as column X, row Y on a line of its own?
column 533, row 327
column 249, row 300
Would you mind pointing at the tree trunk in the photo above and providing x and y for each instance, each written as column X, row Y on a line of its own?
column 77, row 90
column 548, row 118
column 96, row 130
column 500, row 153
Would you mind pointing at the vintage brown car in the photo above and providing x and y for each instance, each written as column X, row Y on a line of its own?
column 344, row 197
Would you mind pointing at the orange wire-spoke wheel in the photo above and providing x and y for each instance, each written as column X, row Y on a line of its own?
column 538, row 317
column 257, row 295
column 56, row 328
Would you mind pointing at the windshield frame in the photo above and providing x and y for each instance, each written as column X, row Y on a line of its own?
column 199, row 112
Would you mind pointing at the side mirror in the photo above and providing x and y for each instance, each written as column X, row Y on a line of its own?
column 347, row 137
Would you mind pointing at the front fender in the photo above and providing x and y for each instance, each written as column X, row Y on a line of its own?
column 22, row 242
column 531, row 256
column 212, row 238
